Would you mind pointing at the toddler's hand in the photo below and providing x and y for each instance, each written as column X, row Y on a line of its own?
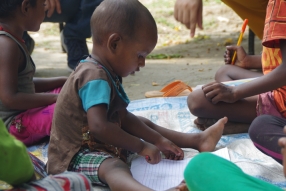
column 169, row 149
column 216, row 92
column 240, row 53
column 151, row 153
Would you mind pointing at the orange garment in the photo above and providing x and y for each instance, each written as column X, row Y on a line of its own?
column 253, row 10
column 274, row 30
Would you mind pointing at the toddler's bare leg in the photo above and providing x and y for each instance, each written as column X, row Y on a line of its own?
column 204, row 141
column 117, row 175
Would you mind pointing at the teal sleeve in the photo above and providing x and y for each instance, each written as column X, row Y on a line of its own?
column 95, row 92
column 15, row 164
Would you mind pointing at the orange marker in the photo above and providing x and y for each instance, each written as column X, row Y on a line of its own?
column 239, row 39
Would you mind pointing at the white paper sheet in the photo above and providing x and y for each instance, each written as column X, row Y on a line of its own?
column 166, row 174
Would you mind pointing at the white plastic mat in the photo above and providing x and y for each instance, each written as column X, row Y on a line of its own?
column 173, row 113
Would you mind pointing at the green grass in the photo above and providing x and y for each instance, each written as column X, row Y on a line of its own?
column 160, row 4
column 165, row 22
column 164, row 56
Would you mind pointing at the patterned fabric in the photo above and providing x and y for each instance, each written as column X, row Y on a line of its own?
column 39, row 166
column 271, row 58
column 275, row 23
column 274, row 31
column 88, row 162
column 68, row 181
column 266, row 105
column 93, row 144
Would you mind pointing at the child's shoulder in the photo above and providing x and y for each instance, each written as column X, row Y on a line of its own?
column 12, row 46
column 8, row 41
column 89, row 71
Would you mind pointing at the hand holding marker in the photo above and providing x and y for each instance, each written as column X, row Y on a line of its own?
column 239, row 39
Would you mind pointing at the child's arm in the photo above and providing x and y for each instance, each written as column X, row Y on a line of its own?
column 243, row 60
column 133, row 125
column 12, row 61
column 47, row 84
column 110, row 133
column 275, row 79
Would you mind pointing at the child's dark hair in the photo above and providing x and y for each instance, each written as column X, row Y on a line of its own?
column 121, row 16
column 7, row 7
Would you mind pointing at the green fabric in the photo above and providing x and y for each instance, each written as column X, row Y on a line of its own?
column 15, row 164
column 208, row 172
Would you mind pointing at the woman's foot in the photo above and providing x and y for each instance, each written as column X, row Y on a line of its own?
column 211, row 136
column 230, row 127
column 204, row 123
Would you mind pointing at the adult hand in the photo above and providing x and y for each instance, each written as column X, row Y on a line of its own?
column 216, row 92
column 51, row 5
column 189, row 13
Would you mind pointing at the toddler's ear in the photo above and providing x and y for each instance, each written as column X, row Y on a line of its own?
column 25, row 5
column 113, row 42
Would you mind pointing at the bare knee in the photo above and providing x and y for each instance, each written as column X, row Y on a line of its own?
column 195, row 102
column 221, row 74
column 110, row 167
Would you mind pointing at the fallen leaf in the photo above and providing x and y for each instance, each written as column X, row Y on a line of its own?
column 155, row 84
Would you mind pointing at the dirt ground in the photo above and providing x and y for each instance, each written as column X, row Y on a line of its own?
column 193, row 61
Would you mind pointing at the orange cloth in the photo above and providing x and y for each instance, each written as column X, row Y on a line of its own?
column 253, row 10
column 274, row 30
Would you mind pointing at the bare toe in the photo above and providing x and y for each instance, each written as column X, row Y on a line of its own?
column 212, row 135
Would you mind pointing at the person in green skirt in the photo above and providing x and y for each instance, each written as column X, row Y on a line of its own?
column 208, row 172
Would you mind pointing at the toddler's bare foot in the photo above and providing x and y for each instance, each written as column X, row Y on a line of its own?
column 181, row 187
column 211, row 135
